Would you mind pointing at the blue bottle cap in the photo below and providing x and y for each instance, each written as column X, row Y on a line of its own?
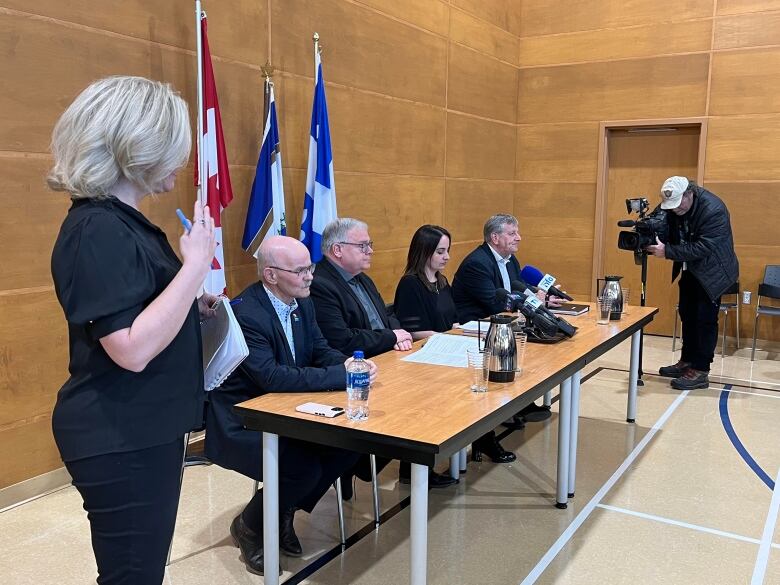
column 358, row 355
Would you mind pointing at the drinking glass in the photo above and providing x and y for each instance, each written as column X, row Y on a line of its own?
column 478, row 371
column 605, row 308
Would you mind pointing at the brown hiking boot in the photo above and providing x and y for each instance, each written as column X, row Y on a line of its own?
column 674, row 371
column 691, row 380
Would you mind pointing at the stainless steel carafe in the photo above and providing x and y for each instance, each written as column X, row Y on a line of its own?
column 612, row 289
column 501, row 349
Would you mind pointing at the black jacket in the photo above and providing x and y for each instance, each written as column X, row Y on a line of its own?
column 475, row 283
column 341, row 317
column 268, row 368
column 706, row 244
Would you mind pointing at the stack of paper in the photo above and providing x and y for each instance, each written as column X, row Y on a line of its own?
column 224, row 346
column 444, row 350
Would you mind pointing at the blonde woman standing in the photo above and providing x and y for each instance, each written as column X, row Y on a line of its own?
column 136, row 379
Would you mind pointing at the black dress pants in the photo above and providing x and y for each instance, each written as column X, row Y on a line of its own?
column 699, row 316
column 131, row 501
column 306, row 472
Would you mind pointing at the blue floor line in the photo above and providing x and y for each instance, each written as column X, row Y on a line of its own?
column 732, row 435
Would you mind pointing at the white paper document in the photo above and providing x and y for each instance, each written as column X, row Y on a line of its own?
column 224, row 347
column 444, row 350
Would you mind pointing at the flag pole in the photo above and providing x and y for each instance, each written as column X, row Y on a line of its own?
column 199, row 15
column 268, row 72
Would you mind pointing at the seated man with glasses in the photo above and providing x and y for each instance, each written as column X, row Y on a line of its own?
column 287, row 353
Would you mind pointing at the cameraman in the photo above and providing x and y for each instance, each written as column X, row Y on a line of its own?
column 701, row 245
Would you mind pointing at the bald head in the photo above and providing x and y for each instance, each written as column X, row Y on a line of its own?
column 282, row 264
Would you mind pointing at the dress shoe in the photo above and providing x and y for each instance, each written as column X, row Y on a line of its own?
column 516, row 423
column 288, row 540
column 435, row 480
column 490, row 446
column 250, row 544
column 691, row 380
column 347, row 489
column 533, row 413
column 674, row 371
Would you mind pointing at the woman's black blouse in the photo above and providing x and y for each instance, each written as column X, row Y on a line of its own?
column 420, row 309
column 109, row 263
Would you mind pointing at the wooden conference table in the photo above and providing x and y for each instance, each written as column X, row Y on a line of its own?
column 425, row 414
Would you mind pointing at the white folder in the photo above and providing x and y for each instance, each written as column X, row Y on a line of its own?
column 224, row 346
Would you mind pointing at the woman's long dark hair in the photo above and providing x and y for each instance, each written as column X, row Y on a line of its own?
column 424, row 243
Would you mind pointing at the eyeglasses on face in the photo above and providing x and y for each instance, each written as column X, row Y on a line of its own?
column 364, row 246
column 298, row 271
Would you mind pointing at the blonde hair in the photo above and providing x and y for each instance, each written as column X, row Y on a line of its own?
column 119, row 127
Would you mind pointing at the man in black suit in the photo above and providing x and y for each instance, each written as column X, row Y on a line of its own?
column 489, row 267
column 287, row 353
column 351, row 312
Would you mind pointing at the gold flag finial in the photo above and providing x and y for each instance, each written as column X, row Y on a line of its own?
column 268, row 70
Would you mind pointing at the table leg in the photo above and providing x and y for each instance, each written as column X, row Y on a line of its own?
column 547, row 398
column 455, row 465
column 463, row 460
column 574, row 424
column 633, row 375
column 564, row 428
column 418, row 528
column 271, row 508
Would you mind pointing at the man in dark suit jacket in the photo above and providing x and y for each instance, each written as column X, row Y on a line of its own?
column 350, row 311
column 287, row 353
column 489, row 267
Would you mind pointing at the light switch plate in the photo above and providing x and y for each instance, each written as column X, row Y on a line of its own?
column 746, row 294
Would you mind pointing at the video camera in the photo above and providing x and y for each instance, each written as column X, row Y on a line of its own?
column 646, row 228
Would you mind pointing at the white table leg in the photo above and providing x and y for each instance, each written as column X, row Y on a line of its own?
column 271, row 508
column 574, row 424
column 633, row 375
column 455, row 465
column 564, row 428
column 463, row 460
column 547, row 398
column 418, row 528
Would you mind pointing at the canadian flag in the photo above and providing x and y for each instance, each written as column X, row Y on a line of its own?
column 217, row 189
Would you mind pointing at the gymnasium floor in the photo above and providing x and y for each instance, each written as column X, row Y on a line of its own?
column 683, row 496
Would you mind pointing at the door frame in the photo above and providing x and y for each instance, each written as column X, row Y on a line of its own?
column 603, row 173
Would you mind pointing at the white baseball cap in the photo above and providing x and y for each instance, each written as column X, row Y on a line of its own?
column 672, row 192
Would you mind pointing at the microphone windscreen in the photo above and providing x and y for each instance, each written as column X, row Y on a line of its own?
column 519, row 285
column 626, row 223
column 532, row 275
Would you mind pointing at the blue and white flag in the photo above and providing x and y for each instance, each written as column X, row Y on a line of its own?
column 319, row 204
column 265, row 213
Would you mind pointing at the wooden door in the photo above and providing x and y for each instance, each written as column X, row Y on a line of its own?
column 639, row 161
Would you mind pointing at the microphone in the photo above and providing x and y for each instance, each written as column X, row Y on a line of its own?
column 521, row 286
column 626, row 223
column 544, row 281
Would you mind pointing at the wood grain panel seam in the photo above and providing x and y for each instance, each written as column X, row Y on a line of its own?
column 488, row 55
column 732, row 182
column 9, row 292
column 745, row 49
column 615, row 60
column 709, row 64
column 25, row 154
column 482, row 20
column 614, row 28
column 408, row 23
column 483, row 118
column 30, row 420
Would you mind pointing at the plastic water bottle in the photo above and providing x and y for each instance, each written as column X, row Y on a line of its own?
column 358, row 386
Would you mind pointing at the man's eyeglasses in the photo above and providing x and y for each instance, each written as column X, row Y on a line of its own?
column 364, row 246
column 298, row 271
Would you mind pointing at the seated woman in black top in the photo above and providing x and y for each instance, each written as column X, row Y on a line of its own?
column 136, row 378
column 424, row 306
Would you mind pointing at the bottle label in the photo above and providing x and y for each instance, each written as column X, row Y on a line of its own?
column 358, row 380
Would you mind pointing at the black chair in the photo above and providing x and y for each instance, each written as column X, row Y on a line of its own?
column 725, row 307
column 770, row 287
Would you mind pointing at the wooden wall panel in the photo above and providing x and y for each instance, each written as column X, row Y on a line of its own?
column 480, row 149
column 748, row 30
column 501, row 13
column 745, row 82
column 753, row 209
column 557, row 152
column 481, row 85
column 458, row 251
column 167, row 23
column 28, row 450
column 431, row 15
column 387, row 266
column 30, row 211
column 469, row 203
column 361, row 49
column 574, row 204
column 740, row 149
column 752, row 261
column 545, row 17
column 393, row 207
column 482, row 36
column 746, row 6
column 644, row 88
column 568, row 259
column 622, row 43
